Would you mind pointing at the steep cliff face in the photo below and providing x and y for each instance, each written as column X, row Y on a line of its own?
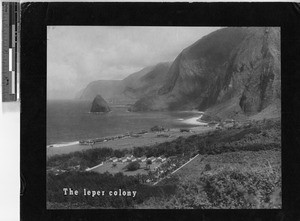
column 99, row 105
column 256, row 73
column 145, row 82
column 235, row 67
column 129, row 90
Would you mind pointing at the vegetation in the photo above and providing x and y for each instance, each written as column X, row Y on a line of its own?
column 254, row 183
column 133, row 166
column 148, row 163
column 207, row 167
column 228, row 189
column 157, row 128
column 86, row 158
column 260, row 136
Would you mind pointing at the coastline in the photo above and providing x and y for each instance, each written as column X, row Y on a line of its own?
column 63, row 144
column 147, row 139
column 195, row 121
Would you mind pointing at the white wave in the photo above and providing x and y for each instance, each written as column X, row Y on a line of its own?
column 194, row 121
column 63, row 144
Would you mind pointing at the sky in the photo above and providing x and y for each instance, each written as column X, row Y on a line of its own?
column 78, row 55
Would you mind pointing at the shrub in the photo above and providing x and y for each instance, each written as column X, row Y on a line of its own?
column 207, row 167
column 225, row 190
column 157, row 128
column 133, row 166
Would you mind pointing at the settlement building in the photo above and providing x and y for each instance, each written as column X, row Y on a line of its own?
column 152, row 159
column 114, row 159
column 123, row 159
column 143, row 159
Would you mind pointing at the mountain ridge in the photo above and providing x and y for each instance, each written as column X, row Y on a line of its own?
column 242, row 64
column 235, row 70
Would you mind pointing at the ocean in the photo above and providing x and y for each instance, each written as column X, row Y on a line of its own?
column 70, row 121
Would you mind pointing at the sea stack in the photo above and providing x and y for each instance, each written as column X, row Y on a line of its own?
column 99, row 105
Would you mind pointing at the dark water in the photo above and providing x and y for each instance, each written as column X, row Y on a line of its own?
column 69, row 121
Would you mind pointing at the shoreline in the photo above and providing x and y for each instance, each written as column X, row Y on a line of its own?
column 193, row 121
column 62, row 144
column 128, row 142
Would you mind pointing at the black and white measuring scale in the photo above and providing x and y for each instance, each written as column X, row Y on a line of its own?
column 10, row 51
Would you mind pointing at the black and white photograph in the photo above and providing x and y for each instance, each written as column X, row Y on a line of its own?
column 163, row 117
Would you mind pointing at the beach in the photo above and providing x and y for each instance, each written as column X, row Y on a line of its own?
column 195, row 121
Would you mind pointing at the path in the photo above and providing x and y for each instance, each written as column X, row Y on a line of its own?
column 178, row 168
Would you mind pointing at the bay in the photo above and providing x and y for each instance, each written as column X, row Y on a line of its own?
column 70, row 120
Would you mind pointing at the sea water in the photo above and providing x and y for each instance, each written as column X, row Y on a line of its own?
column 69, row 121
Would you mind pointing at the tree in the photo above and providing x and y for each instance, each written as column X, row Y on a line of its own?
column 148, row 163
column 139, row 151
column 133, row 166
column 202, row 148
column 118, row 153
column 207, row 167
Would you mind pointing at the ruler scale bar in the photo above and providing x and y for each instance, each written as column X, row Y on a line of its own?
column 13, row 47
column 13, row 72
column 12, row 82
column 10, row 51
column 9, row 59
column 18, row 50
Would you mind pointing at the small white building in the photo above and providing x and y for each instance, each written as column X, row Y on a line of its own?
column 114, row 159
column 153, row 159
column 143, row 159
column 123, row 159
column 161, row 157
column 129, row 157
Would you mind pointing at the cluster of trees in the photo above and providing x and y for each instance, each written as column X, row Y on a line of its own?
column 92, row 157
column 250, row 139
column 86, row 158
column 179, row 146
column 133, row 166
column 233, row 147
column 157, row 128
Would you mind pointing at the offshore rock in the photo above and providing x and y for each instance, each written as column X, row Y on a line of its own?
column 99, row 105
